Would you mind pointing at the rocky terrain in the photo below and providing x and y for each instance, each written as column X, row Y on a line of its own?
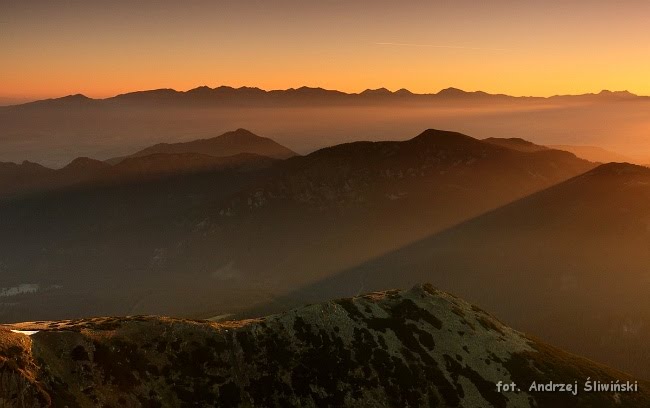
column 421, row 347
column 416, row 348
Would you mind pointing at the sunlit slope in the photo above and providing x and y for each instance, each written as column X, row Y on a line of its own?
column 417, row 348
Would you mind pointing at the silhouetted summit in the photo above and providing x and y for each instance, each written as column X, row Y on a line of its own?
column 376, row 92
column 227, row 144
column 451, row 91
column 436, row 136
column 85, row 164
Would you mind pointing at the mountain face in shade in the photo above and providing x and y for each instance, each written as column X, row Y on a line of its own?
column 30, row 178
column 160, row 165
column 17, row 179
column 229, row 144
column 416, row 348
column 231, row 236
column 568, row 264
column 357, row 172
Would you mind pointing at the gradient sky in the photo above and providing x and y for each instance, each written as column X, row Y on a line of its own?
column 101, row 48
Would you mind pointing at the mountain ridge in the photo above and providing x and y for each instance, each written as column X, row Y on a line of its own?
column 166, row 94
column 420, row 347
column 239, row 147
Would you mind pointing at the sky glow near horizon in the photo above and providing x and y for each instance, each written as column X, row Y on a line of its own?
column 100, row 49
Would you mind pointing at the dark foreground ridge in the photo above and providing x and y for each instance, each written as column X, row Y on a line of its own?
column 416, row 348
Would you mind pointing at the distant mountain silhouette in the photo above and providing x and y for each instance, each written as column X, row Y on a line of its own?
column 593, row 153
column 568, row 264
column 228, row 144
column 55, row 131
column 253, row 95
column 17, row 179
column 415, row 348
column 158, row 161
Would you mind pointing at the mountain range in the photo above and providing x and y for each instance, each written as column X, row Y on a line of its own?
column 54, row 132
column 227, row 237
column 239, row 148
column 205, row 95
column 189, row 234
column 416, row 348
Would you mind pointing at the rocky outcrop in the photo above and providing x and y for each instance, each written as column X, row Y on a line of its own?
column 416, row 348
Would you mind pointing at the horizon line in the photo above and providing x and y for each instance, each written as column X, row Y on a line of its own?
column 381, row 89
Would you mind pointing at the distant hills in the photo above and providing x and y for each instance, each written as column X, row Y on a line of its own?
column 227, row 144
column 592, row 153
column 311, row 95
column 536, row 234
column 53, row 132
column 417, row 348
column 231, row 235
column 239, row 148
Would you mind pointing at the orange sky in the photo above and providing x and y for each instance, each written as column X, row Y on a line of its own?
column 55, row 48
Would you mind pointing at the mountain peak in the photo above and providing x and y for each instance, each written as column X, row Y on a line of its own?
column 378, row 91
column 155, row 94
column 446, row 135
column 240, row 134
column 200, row 90
column 77, row 97
column 85, row 163
column 606, row 92
column 451, row 91
column 228, row 144
column 32, row 165
column 403, row 91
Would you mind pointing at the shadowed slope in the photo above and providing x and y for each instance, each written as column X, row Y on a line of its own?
column 568, row 264
column 17, row 180
column 219, row 240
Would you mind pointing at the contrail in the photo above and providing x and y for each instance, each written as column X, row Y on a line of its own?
column 458, row 47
